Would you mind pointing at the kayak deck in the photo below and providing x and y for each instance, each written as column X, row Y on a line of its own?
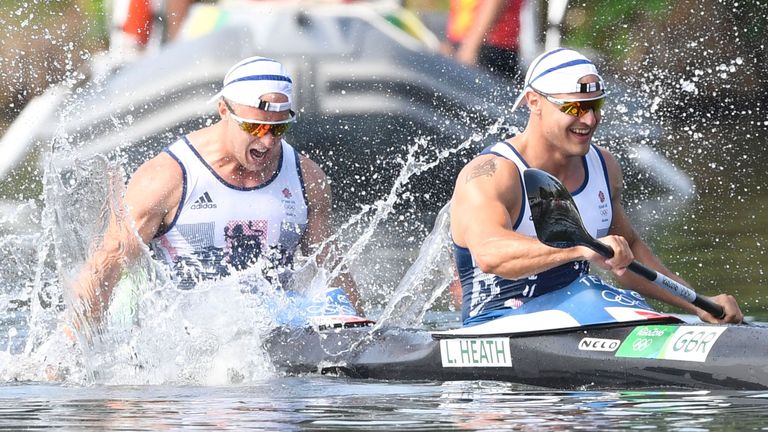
column 620, row 356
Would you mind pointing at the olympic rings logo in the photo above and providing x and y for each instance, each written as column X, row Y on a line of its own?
column 620, row 298
column 641, row 344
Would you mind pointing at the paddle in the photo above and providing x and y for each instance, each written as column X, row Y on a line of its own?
column 558, row 224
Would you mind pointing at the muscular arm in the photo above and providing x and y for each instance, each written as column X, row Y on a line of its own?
column 319, row 224
column 621, row 226
column 486, row 200
column 153, row 192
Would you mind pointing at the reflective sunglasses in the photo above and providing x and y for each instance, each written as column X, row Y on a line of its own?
column 577, row 108
column 261, row 128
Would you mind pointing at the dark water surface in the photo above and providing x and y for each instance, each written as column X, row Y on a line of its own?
column 330, row 403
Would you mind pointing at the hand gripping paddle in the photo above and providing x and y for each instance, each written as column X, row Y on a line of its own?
column 558, row 224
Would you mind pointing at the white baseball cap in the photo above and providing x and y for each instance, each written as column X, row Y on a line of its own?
column 559, row 71
column 250, row 79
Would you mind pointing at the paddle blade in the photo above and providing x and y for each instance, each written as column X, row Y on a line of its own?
column 555, row 216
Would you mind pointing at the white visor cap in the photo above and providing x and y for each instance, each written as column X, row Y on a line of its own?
column 559, row 71
column 250, row 79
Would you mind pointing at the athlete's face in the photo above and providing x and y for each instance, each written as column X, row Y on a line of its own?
column 572, row 133
column 254, row 152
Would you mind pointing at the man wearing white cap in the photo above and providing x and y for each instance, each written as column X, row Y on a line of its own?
column 221, row 197
column 501, row 264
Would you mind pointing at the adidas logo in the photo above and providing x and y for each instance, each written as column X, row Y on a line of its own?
column 203, row 202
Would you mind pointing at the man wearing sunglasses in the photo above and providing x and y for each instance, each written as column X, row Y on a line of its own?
column 224, row 197
column 501, row 264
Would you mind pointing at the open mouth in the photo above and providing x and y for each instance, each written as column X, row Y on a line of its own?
column 257, row 154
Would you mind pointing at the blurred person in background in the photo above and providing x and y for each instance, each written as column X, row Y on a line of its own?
column 133, row 22
column 485, row 33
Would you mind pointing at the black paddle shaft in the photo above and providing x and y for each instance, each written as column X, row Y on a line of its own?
column 558, row 224
column 675, row 287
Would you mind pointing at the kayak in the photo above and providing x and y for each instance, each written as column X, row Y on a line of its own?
column 585, row 335
column 622, row 355
column 618, row 342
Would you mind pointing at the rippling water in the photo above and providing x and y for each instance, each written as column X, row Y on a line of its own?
column 329, row 403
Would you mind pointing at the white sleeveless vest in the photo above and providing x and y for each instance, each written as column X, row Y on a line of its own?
column 592, row 198
column 219, row 227
column 483, row 294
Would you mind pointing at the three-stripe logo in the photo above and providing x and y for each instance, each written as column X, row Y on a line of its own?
column 204, row 201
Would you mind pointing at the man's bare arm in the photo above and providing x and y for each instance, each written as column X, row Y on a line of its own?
column 319, row 225
column 486, row 200
column 153, row 192
column 622, row 226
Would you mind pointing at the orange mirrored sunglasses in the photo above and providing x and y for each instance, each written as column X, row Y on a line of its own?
column 577, row 108
column 259, row 129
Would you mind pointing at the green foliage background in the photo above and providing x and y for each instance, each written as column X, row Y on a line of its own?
column 608, row 27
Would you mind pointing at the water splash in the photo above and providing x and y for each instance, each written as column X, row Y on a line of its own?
column 431, row 273
column 216, row 333
column 433, row 270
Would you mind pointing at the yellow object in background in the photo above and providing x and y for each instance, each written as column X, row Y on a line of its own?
column 203, row 19
column 410, row 23
column 462, row 19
